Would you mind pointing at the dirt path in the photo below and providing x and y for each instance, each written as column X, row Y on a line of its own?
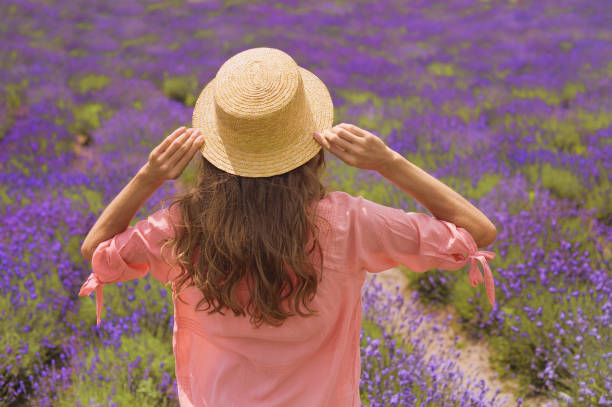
column 474, row 357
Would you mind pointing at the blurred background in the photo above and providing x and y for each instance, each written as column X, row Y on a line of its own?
column 507, row 102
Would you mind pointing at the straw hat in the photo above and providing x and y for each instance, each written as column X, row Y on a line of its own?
column 259, row 112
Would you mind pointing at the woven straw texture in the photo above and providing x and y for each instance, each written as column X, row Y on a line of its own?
column 259, row 112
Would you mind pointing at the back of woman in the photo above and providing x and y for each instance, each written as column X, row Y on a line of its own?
column 266, row 264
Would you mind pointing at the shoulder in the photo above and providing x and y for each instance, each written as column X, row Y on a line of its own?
column 340, row 198
column 346, row 203
column 345, row 208
column 333, row 203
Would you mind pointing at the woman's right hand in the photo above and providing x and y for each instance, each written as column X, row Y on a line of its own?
column 356, row 147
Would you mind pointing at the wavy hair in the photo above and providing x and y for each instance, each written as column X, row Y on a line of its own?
column 235, row 227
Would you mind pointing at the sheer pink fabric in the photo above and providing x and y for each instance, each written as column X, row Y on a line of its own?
column 224, row 361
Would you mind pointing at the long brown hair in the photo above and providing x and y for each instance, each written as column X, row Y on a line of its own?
column 237, row 227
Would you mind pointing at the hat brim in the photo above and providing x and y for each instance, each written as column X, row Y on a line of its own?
column 271, row 162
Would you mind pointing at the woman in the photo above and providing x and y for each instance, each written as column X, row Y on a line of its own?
column 261, row 237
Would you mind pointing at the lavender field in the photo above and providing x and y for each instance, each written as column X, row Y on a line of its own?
column 507, row 102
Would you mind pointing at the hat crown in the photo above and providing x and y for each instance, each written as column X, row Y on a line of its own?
column 256, row 82
column 259, row 99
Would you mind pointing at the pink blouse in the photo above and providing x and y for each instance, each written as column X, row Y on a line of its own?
column 309, row 362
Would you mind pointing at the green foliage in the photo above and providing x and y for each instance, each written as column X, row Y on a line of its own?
column 460, row 292
column 377, row 192
column 109, row 147
column 565, row 135
column 85, row 25
column 203, row 33
column 164, row 5
column 174, row 46
column 181, row 89
column 12, row 94
column 571, row 89
column 384, row 129
column 559, row 135
column 344, row 176
column 599, row 197
column 423, row 158
column 142, row 40
column 85, row 314
column 189, row 177
column 435, row 291
column 411, row 103
column 485, row 184
column 112, row 377
column 60, row 146
column 73, row 248
column 127, row 72
column 608, row 68
column 466, row 113
column 375, row 331
column 366, row 122
column 34, row 34
column 360, row 97
column 440, row 69
column 45, row 41
column 85, row 198
column 519, row 352
column 30, row 325
column 566, row 46
column 137, row 104
column 6, row 200
column 545, row 95
column 17, row 163
column 4, row 126
column 71, row 243
column 90, row 82
column 87, row 116
column 576, row 230
column 250, row 38
column 562, row 183
column 371, row 328
column 591, row 122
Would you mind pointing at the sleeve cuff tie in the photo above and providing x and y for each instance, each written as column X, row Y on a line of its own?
column 475, row 276
column 93, row 283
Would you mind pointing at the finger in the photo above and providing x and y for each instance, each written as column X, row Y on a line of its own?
column 183, row 149
column 343, row 155
column 357, row 131
column 349, row 137
column 186, row 158
column 321, row 140
column 176, row 145
column 164, row 144
column 336, row 140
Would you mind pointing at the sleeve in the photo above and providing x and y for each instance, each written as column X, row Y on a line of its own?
column 383, row 237
column 130, row 255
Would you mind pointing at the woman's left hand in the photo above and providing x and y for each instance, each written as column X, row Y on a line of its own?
column 170, row 158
